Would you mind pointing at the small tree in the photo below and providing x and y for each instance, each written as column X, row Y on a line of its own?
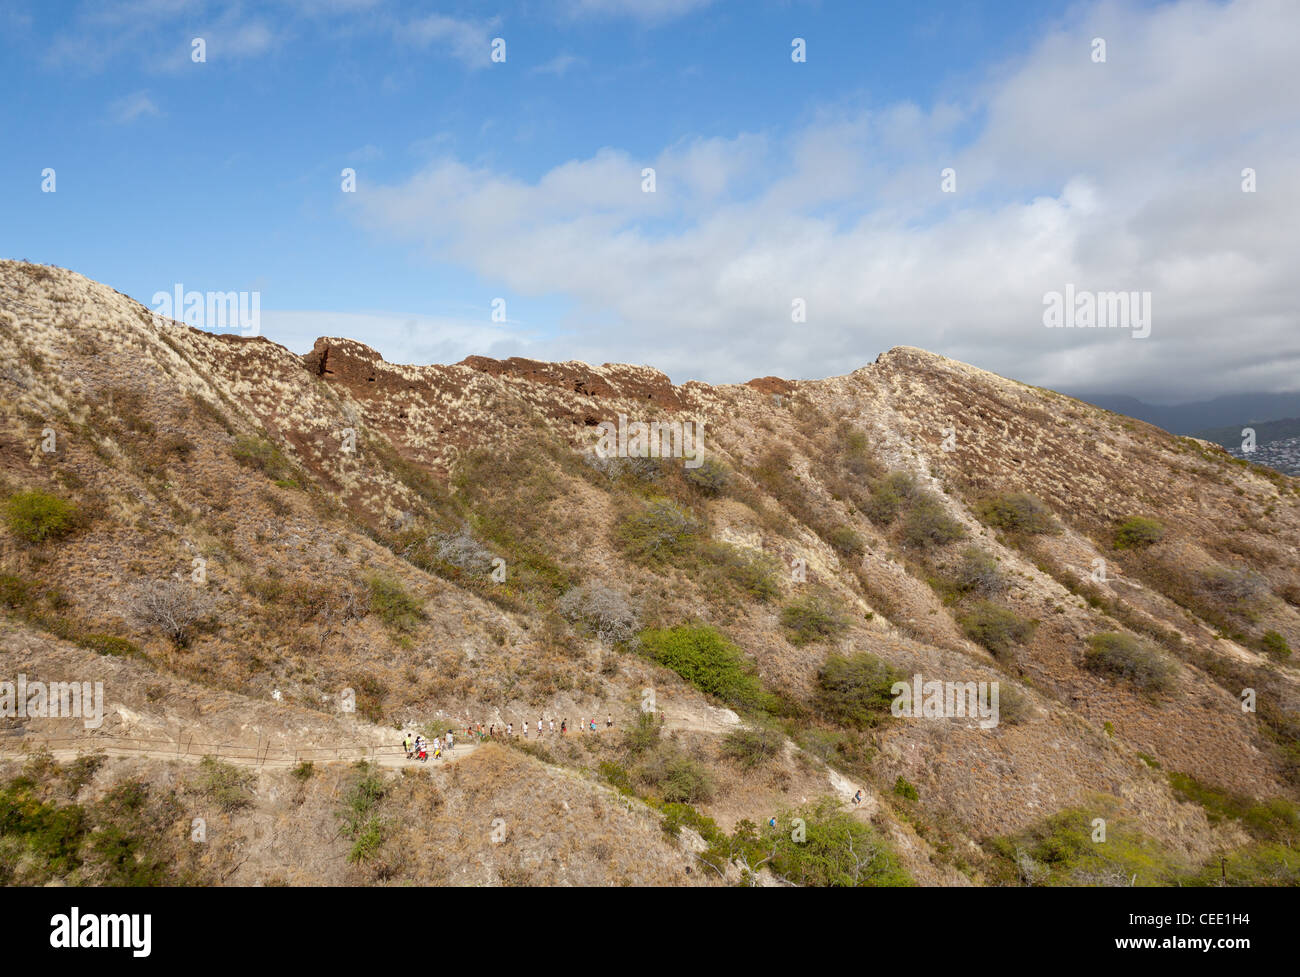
column 605, row 610
column 173, row 607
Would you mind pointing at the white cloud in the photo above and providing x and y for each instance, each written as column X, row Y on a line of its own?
column 402, row 338
column 1123, row 175
column 643, row 10
column 468, row 41
column 558, row 65
column 128, row 108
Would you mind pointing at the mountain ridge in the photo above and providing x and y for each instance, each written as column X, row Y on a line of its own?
column 349, row 511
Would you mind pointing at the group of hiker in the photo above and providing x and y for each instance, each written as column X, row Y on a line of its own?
column 419, row 748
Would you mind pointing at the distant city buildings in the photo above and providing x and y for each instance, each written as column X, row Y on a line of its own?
column 1282, row 455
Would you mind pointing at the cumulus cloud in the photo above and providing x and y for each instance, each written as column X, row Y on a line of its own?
column 1123, row 175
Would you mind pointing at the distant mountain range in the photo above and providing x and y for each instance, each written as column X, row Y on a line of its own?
column 1202, row 417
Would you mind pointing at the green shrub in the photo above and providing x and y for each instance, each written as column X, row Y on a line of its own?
column 262, row 455
column 855, row 690
column 855, row 455
column 928, row 525
column 395, row 607
column 225, row 785
column 1138, row 532
column 1235, row 589
column 661, row 531
column 808, row 619
column 753, row 575
column 678, row 816
column 1014, row 707
column 836, row 850
column 751, row 747
column 889, row 496
column 616, row 776
column 995, row 628
column 1018, row 513
column 643, row 735
column 303, row 772
column 906, row 789
column 54, row 834
column 37, row 516
column 710, row 477
column 16, row 593
column 1277, row 819
column 1125, row 657
column 1275, row 645
column 676, row 777
column 977, row 572
column 707, row 660
column 110, row 644
column 845, row 541
column 1060, row 851
column 361, row 825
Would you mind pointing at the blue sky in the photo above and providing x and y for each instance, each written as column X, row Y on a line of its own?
column 776, row 180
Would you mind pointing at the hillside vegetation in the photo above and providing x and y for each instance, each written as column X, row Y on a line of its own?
column 275, row 552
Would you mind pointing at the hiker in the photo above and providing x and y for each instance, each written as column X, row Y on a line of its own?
column 593, row 724
column 421, row 749
column 510, row 729
column 552, row 722
column 492, row 731
column 564, row 727
column 539, row 725
column 771, row 822
column 406, row 745
column 449, row 741
column 609, row 721
column 857, row 798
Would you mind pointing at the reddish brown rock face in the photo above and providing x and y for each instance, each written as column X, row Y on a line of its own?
column 343, row 360
column 771, row 385
column 611, row 380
